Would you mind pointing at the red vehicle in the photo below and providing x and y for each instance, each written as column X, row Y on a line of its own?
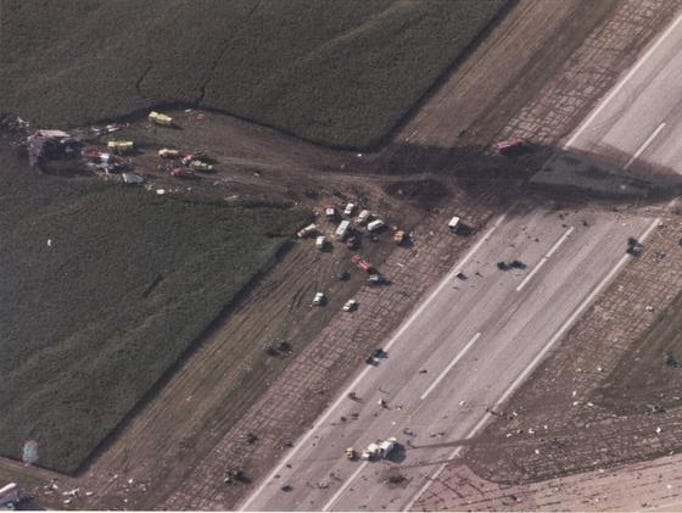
column 510, row 146
column 362, row 264
column 183, row 172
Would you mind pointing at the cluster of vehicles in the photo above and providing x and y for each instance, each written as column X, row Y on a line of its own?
column 182, row 164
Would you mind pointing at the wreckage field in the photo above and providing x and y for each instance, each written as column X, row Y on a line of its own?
column 104, row 288
column 648, row 376
column 342, row 73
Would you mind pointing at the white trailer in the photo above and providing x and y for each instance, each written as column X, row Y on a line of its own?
column 342, row 230
column 375, row 225
column 9, row 495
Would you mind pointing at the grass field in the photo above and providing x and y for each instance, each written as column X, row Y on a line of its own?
column 90, row 321
column 340, row 73
column 649, row 375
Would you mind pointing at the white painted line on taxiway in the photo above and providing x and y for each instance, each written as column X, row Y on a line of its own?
column 545, row 258
column 557, row 335
column 323, row 418
column 644, row 146
column 452, row 364
column 345, row 485
column 627, row 77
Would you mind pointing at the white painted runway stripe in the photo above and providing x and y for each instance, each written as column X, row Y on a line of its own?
column 644, row 146
column 557, row 335
column 545, row 258
column 452, row 364
column 354, row 384
column 627, row 77
column 345, row 485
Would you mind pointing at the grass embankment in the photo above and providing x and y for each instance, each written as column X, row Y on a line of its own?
column 340, row 73
column 649, row 375
column 128, row 281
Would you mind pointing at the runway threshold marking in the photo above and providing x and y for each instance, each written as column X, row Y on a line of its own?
column 450, row 366
column 359, row 378
column 531, row 366
column 627, row 77
column 345, row 485
column 545, row 258
column 644, row 146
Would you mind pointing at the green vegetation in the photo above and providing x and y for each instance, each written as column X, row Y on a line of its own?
column 649, row 375
column 128, row 281
column 341, row 73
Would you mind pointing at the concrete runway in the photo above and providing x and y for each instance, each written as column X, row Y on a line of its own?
column 464, row 350
column 640, row 120
column 472, row 342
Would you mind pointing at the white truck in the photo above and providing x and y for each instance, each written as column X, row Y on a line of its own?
column 363, row 217
column 342, row 230
column 454, row 223
column 308, row 230
column 379, row 450
column 320, row 242
column 9, row 496
column 348, row 211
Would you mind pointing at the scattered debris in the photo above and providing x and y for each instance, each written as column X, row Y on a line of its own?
column 671, row 361
column 634, row 247
column 46, row 146
column 133, row 179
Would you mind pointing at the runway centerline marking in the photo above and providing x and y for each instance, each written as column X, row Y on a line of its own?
column 345, row 485
column 545, row 258
column 627, row 77
column 323, row 418
column 644, row 145
column 531, row 366
column 450, row 366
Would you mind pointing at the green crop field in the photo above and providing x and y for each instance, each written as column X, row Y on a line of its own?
column 128, row 281
column 648, row 378
column 337, row 72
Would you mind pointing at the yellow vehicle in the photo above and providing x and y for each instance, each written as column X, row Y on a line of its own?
column 160, row 119
column 166, row 153
column 120, row 146
column 198, row 165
